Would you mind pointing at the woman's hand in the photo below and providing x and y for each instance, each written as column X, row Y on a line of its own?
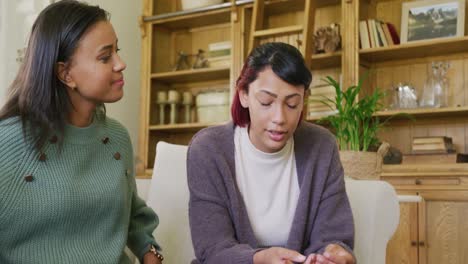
column 277, row 255
column 150, row 258
column 334, row 254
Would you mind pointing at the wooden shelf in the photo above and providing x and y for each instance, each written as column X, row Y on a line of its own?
column 197, row 75
column 426, row 112
column 417, row 49
column 174, row 128
column 419, row 112
column 179, row 20
column 326, row 60
column 412, row 170
column 220, row 13
column 278, row 31
column 282, row 6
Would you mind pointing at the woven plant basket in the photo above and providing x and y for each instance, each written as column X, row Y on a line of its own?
column 363, row 165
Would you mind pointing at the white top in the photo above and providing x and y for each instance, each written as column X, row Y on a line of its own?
column 269, row 186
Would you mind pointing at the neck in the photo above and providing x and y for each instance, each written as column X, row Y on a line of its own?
column 81, row 117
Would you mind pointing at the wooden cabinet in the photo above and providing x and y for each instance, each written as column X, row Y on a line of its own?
column 434, row 230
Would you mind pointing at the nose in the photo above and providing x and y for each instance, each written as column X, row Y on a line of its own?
column 119, row 65
column 279, row 116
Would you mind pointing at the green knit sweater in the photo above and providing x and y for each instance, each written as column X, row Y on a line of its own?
column 74, row 205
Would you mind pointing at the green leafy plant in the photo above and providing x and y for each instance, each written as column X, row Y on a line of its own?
column 354, row 124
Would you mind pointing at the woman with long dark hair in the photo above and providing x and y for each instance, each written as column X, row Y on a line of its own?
column 67, row 186
column 269, row 187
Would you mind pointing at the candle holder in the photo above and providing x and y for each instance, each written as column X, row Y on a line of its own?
column 173, row 99
column 162, row 102
column 187, row 101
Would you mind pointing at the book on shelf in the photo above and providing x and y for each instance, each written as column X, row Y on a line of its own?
column 364, row 35
column 393, row 33
column 430, row 140
column 427, row 145
column 220, row 61
column 219, row 49
column 315, row 107
column 374, row 33
column 430, row 158
column 381, row 33
column 387, row 34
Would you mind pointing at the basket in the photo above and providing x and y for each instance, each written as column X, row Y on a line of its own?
column 364, row 165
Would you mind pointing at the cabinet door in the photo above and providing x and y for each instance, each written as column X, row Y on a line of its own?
column 402, row 248
column 443, row 227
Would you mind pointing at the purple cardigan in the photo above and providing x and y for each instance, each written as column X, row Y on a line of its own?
column 219, row 224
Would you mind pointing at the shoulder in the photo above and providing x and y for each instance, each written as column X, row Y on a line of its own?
column 311, row 134
column 117, row 133
column 215, row 137
column 116, row 129
column 11, row 135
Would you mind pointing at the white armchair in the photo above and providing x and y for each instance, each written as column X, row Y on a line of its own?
column 374, row 204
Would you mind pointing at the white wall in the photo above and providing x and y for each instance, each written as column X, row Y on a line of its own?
column 124, row 18
column 16, row 19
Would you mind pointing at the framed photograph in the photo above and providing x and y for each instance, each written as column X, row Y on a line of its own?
column 430, row 19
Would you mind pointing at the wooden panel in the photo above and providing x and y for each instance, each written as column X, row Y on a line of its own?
column 350, row 42
column 416, row 50
column 162, row 59
column 423, row 181
column 445, row 234
column 164, row 6
column 400, row 249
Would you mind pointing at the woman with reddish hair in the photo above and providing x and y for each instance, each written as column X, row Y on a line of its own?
column 268, row 187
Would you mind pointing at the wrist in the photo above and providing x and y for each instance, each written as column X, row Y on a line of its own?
column 153, row 251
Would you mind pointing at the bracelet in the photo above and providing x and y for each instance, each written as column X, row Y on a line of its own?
column 156, row 253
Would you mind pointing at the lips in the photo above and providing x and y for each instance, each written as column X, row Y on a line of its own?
column 119, row 82
column 276, row 135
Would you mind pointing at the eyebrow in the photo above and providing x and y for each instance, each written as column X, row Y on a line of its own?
column 110, row 46
column 276, row 96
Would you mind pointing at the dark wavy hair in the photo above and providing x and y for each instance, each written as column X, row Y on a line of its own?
column 286, row 62
column 37, row 96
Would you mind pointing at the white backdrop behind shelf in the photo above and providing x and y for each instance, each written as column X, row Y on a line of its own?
column 16, row 19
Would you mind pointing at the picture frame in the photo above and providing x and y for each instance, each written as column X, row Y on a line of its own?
column 431, row 19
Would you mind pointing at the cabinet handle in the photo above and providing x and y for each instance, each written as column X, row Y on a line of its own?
column 417, row 182
column 414, row 243
column 421, row 243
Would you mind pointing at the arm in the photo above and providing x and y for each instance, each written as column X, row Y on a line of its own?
column 143, row 221
column 213, row 234
column 334, row 221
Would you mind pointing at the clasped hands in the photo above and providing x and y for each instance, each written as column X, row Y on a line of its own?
column 333, row 254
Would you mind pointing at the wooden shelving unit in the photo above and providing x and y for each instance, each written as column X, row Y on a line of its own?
column 167, row 30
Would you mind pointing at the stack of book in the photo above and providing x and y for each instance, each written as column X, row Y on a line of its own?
column 219, row 54
column 432, row 145
column 315, row 106
column 375, row 33
column 294, row 39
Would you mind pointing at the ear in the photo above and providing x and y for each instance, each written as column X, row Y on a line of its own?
column 63, row 74
column 244, row 98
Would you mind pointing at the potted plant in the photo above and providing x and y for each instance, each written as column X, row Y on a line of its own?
column 356, row 127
